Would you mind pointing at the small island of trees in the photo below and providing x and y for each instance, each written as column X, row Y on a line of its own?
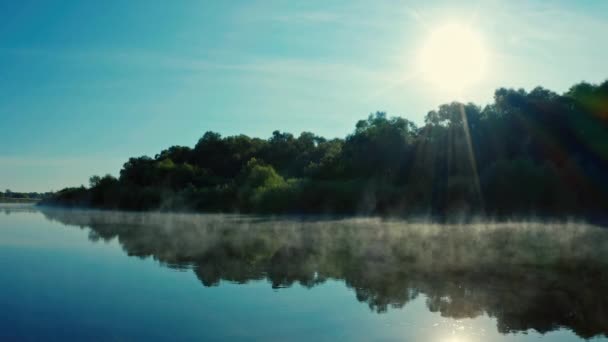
column 527, row 153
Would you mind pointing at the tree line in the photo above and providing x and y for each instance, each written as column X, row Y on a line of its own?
column 527, row 153
column 10, row 195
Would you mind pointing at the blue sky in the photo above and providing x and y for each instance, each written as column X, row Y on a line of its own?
column 86, row 84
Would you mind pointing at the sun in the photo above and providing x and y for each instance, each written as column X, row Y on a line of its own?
column 453, row 58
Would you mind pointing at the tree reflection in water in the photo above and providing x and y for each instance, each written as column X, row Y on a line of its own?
column 526, row 275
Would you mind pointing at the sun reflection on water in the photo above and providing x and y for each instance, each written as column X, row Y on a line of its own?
column 454, row 339
column 458, row 331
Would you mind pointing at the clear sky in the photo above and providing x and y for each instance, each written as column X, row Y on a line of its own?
column 86, row 84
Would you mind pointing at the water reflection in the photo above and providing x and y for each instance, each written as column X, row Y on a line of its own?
column 527, row 276
column 9, row 208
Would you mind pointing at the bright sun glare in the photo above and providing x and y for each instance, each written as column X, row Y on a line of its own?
column 453, row 58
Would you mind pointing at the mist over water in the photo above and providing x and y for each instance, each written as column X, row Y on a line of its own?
column 527, row 275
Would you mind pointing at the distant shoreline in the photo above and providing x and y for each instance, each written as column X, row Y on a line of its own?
column 19, row 200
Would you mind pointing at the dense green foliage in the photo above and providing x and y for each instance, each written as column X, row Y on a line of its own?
column 527, row 153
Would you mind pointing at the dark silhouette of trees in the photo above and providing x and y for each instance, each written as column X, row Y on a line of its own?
column 527, row 153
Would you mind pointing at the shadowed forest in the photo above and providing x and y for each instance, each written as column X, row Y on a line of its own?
column 526, row 275
column 528, row 153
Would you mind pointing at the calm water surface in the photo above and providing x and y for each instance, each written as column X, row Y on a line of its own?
column 86, row 275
